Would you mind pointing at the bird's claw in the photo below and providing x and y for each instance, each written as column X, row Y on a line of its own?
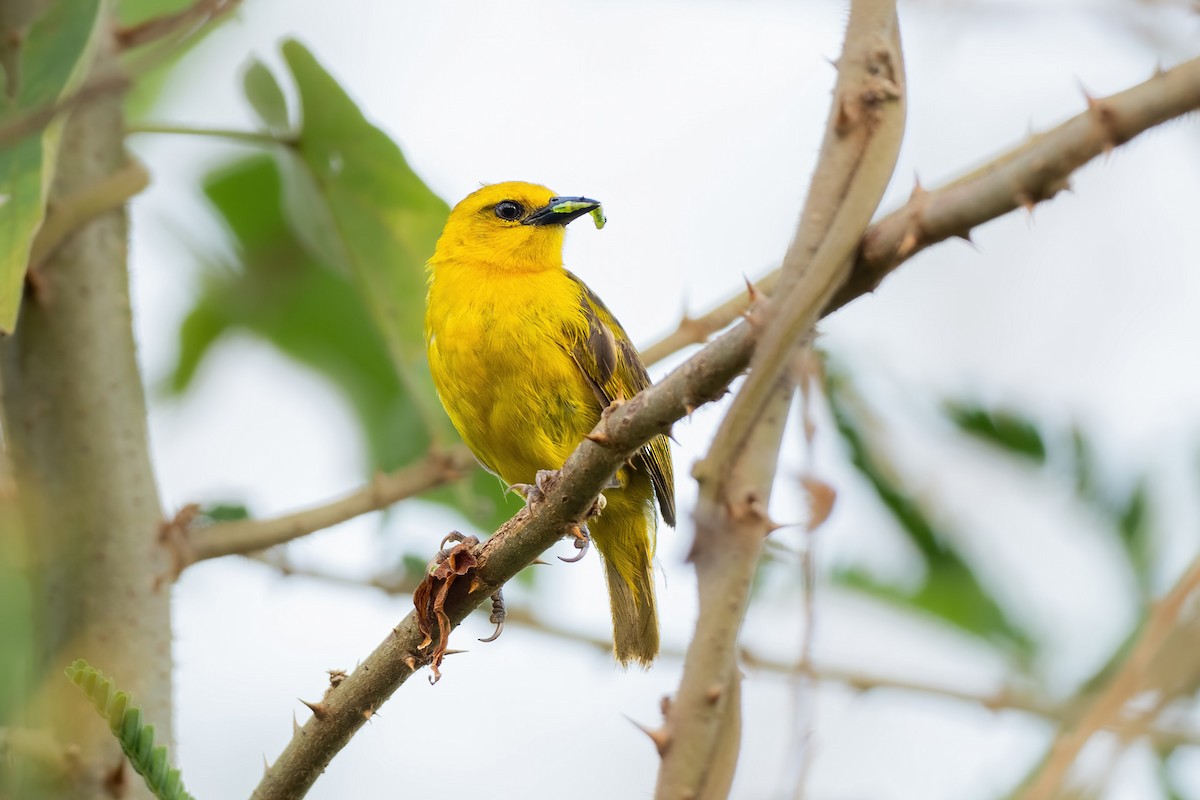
column 498, row 615
column 536, row 492
column 582, row 542
column 456, row 537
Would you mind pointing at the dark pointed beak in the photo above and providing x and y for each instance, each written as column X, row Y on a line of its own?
column 561, row 210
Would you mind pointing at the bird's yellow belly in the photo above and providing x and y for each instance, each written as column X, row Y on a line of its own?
column 510, row 387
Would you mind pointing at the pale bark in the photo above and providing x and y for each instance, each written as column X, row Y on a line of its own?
column 75, row 426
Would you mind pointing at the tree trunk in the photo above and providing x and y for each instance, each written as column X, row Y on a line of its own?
column 75, row 428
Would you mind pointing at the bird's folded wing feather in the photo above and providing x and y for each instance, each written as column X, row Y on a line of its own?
column 614, row 369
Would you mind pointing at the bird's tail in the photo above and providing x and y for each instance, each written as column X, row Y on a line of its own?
column 624, row 535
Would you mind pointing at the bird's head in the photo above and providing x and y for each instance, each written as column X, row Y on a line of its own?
column 511, row 226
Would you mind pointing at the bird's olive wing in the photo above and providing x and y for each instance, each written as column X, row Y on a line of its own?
column 614, row 369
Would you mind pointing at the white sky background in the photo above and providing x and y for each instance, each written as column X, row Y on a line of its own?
column 697, row 124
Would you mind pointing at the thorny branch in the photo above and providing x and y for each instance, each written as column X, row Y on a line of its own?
column 927, row 218
column 1034, row 171
column 568, row 499
column 1134, row 677
column 858, row 154
column 701, row 378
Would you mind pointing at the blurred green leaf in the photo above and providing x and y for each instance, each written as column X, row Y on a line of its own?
column 264, row 94
column 314, row 314
column 950, row 591
column 1166, row 780
column 1127, row 510
column 414, row 567
column 1091, row 485
column 16, row 616
column 1133, row 526
column 133, row 12
column 481, row 497
column 353, row 192
column 45, row 57
column 1004, row 429
column 224, row 512
column 311, row 312
column 1083, row 458
column 19, row 672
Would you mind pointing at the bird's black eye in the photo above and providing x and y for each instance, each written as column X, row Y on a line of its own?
column 508, row 210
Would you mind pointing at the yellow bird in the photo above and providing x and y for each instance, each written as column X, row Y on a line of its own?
column 525, row 357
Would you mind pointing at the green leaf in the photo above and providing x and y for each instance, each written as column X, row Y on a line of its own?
column 414, row 567
column 310, row 311
column 1003, row 429
column 137, row 740
column 1083, row 459
column 43, row 63
column 133, row 12
column 264, row 94
column 1167, row 780
column 224, row 512
column 1127, row 511
column 950, row 591
column 1137, row 535
column 356, row 201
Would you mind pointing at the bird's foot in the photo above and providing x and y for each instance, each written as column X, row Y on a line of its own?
column 457, row 538
column 536, row 492
column 583, row 541
column 583, row 538
column 499, row 613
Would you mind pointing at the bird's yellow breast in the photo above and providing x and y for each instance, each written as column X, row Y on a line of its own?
column 500, row 352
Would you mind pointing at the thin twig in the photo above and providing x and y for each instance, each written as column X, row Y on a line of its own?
column 1034, row 171
column 181, row 22
column 697, row 330
column 392, row 583
column 820, row 503
column 246, row 137
column 72, row 212
column 400, row 583
column 1125, row 684
column 34, row 120
column 246, row 536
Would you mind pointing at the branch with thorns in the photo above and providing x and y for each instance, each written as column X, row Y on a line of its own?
column 1021, row 178
column 704, row 376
